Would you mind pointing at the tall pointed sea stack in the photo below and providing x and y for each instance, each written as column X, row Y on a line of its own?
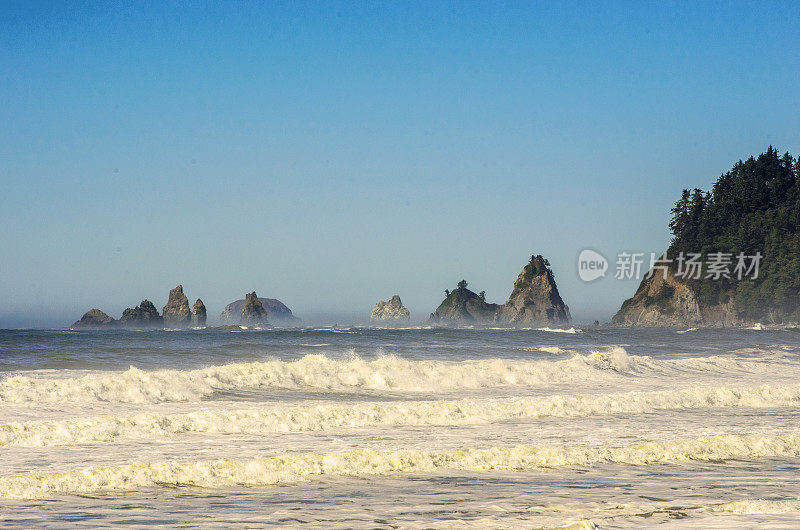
column 253, row 312
column 535, row 298
column 199, row 314
column 534, row 301
column 177, row 313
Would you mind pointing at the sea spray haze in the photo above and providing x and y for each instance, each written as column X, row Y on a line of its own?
column 599, row 425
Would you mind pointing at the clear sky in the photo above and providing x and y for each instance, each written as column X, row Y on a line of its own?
column 334, row 154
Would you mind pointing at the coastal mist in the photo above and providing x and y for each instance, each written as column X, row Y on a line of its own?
column 409, row 427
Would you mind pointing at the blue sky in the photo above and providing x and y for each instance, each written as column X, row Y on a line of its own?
column 334, row 154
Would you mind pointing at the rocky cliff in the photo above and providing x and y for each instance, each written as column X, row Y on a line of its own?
column 199, row 314
column 534, row 301
column 177, row 313
column 535, row 298
column 144, row 316
column 253, row 312
column 277, row 312
column 391, row 311
column 671, row 302
column 94, row 318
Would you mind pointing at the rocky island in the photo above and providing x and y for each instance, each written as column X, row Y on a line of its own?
column 535, row 300
column 176, row 314
column 277, row 312
column 392, row 311
column 744, row 239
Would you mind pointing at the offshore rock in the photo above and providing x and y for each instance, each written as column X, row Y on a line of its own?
column 199, row 314
column 94, row 318
column 253, row 312
column 391, row 311
column 176, row 312
column 144, row 316
column 277, row 312
column 535, row 298
column 464, row 307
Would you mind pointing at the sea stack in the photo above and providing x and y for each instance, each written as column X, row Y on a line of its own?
column 144, row 316
column 94, row 318
column 253, row 312
column 177, row 313
column 534, row 301
column 277, row 312
column 391, row 311
column 464, row 307
column 535, row 298
column 198, row 314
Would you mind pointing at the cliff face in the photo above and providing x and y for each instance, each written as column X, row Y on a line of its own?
column 177, row 313
column 391, row 311
column 277, row 312
column 534, row 301
column 669, row 302
column 535, row 298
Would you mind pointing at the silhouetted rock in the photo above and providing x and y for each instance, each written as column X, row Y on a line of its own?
column 177, row 313
column 94, row 318
column 144, row 316
column 391, row 311
column 277, row 312
column 253, row 312
column 463, row 307
column 198, row 314
column 535, row 299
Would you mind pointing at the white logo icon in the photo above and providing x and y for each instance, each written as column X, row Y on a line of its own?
column 591, row 265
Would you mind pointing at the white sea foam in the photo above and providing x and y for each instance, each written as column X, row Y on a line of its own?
column 560, row 330
column 291, row 469
column 759, row 506
column 329, row 416
column 385, row 372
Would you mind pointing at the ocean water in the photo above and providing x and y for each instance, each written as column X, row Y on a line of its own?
column 411, row 428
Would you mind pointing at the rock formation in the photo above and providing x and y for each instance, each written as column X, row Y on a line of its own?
column 253, row 312
column 534, row 301
column 464, row 307
column 144, row 316
column 535, row 298
column 277, row 312
column 670, row 302
column 177, row 313
column 198, row 314
column 391, row 311
column 94, row 318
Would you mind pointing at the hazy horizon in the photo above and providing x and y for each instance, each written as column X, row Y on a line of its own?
column 334, row 155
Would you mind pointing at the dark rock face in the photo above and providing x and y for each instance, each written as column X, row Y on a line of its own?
column 464, row 307
column 144, row 316
column 535, row 298
column 94, row 318
column 670, row 302
column 277, row 312
column 391, row 311
column 176, row 312
column 198, row 314
column 534, row 301
column 253, row 312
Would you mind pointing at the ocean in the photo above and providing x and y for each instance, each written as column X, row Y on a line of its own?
column 410, row 428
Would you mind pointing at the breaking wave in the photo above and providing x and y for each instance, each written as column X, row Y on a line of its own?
column 329, row 416
column 384, row 373
column 290, row 469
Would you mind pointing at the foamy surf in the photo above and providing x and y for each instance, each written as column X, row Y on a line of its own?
column 291, row 469
column 330, row 416
column 384, row 373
